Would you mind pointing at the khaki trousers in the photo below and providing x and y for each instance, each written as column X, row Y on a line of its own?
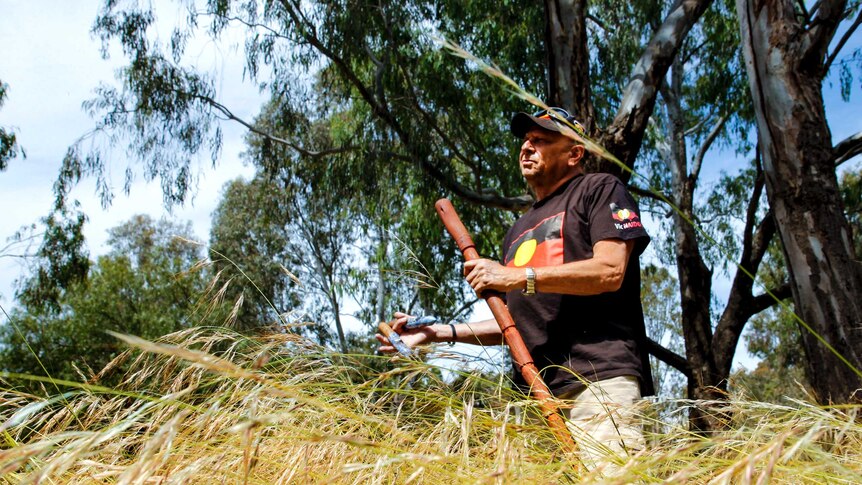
column 603, row 422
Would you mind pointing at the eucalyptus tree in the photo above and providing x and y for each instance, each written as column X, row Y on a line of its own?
column 442, row 117
column 789, row 49
column 142, row 286
column 294, row 250
column 314, row 234
column 61, row 261
column 775, row 336
column 412, row 107
column 704, row 103
column 248, row 251
column 9, row 147
column 405, row 123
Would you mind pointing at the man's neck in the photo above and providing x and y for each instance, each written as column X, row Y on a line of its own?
column 543, row 191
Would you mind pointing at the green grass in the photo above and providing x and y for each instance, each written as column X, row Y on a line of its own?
column 211, row 406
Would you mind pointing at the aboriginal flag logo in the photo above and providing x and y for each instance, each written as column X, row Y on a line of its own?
column 541, row 245
column 622, row 215
column 626, row 218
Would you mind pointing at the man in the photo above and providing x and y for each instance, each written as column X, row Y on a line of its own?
column 572, row 283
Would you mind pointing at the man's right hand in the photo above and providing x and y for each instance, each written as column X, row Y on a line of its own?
column 412, row 338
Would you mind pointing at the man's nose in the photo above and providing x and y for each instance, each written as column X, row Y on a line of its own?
column 527, row 147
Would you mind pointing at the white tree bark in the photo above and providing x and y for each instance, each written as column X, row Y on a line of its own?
column 784, row 63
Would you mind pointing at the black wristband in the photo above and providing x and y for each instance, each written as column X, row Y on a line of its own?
column 454, row 334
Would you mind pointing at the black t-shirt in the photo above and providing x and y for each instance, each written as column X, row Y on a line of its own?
column 599, row 336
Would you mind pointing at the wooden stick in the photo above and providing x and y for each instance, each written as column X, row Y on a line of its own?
column 520, row 353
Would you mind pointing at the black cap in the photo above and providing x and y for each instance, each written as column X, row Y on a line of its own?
column 522, row 122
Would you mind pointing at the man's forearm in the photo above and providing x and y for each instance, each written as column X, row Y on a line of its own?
column 485, row 332
column 604, row 272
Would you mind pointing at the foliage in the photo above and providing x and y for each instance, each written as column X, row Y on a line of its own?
column 139, row 287
column 851, row 195
column 275, row 409
column 250, row 231
column 9, row 148
column 297, row 247
column 660, row 300
column 332, row 69
column 60, row 262
column 773, row 337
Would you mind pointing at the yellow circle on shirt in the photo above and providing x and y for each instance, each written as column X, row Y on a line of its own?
column 525, row 252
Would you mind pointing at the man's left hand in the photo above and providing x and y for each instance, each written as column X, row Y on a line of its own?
column 485, row 274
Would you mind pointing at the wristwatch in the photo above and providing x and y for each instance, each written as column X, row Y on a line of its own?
column 531, row 282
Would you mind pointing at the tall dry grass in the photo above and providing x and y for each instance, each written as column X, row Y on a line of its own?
column 208, row 405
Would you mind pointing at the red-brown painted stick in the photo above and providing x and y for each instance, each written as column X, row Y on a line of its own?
column 520, row 354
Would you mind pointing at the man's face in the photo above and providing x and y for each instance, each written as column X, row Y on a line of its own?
column 547, row 156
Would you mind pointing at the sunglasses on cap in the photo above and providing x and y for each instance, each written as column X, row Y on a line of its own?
column 552, row 119
column 559, row 113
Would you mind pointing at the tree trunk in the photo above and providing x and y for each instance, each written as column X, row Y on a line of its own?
column 568, row 74
column 784, row 63
column 336, row 313
column 382, row 249
column 695, row 278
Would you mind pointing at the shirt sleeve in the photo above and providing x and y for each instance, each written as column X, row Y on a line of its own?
column 614, row 214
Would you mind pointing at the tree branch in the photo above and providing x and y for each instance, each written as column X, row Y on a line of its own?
column 592, row 18
column 701, row 153
column 668, row 356
column 486, row 199
column 430, row 121
column 378, row 76
column 307, row 31
column 840, row 45
column 676, row 157
column 625, row 135
column 754, row 244
column 764, row 301
column 819, row 36
column 811, row 11
column 461, row 309
column 647, row 193
column 739, row 307
column 20, row 256
column 847, row 148
column 699, row 125
column 801, row 5
column 762, row 238
column 691, row 53
column 252, row 128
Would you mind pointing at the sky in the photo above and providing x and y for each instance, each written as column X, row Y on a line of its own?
column 52, row 64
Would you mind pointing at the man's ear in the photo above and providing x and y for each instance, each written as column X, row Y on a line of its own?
column 576, row 154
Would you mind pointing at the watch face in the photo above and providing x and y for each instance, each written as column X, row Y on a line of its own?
column 531, row 281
